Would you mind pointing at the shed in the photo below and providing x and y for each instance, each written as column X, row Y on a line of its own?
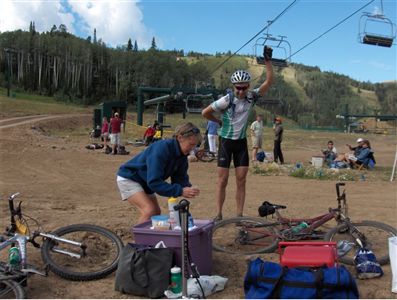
column 107, row 109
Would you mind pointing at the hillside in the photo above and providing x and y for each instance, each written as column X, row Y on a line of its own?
column 74, row 70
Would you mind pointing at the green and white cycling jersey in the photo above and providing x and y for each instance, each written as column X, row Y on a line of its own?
column 235, row 114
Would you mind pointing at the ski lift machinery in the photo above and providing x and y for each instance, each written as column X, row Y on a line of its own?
column 194, row 103
column 376, row 21
column 281, row 50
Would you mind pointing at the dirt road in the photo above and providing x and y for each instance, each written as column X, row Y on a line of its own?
column 63, row 183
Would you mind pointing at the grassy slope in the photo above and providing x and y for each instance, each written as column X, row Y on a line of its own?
column 28, row 104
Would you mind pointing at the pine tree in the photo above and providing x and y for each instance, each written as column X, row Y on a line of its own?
column 94, row 36
column 153, row 44
column 53, row 29
column 135, row 46
column 129, row 45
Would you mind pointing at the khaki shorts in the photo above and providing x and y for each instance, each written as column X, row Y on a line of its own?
column 256, row 142
column 115, row 138
column 128, row 187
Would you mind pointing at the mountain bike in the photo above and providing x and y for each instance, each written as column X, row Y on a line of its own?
column 205, row 155
column 78, row 252
column 250, row 235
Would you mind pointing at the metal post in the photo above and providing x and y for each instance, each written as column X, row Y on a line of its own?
column 183, row 208
column 140, row 107
column 394, row 166
column 184, row 262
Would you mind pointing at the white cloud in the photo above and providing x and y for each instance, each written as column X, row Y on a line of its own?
column 115, row 21
column 18, row 15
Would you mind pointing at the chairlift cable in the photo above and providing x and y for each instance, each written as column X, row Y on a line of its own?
column 333, row 27
column 263, row 29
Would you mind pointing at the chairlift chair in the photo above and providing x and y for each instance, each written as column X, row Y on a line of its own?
column 194, row 102
column 374, row 38
column 280, row 43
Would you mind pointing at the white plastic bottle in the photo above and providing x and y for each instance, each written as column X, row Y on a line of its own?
column 174, row 215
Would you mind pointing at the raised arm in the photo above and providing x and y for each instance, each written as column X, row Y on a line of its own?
column 267, row 54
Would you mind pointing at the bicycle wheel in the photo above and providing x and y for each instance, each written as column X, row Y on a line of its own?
column 205, row 155
column 10, row 289
column 375, row 234
column 99, row 259
column 244, row 235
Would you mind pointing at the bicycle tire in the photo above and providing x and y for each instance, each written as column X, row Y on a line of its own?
column 102, row 253
column 244, row 240
column 376, row 233
column 205, row 155
column 10, row 289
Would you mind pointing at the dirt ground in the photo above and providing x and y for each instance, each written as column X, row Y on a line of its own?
column 63, row 183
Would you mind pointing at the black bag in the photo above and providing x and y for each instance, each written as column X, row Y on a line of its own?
column 266, row 209
column 144, row 270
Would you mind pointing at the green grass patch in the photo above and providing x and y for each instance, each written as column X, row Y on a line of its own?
column 23, row 104
column 310, row 172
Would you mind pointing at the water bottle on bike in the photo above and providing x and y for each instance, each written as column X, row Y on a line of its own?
column 13, row 256
column 299, row 227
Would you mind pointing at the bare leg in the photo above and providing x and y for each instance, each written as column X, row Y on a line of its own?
column 223, row 177
column 241, row 178
column 147, row 205
column 254, row 152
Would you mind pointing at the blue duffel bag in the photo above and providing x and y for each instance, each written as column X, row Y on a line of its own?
column 266, row 280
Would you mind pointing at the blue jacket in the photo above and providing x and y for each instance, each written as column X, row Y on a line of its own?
column 155, row 164
column 364, row 156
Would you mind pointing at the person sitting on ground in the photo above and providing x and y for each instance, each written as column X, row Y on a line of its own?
column 363, row 158
column 148, row 135
column 145, row 175
column 358, row 148
column 330, row 153
column 158, row 133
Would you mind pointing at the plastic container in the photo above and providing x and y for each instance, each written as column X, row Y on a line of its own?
column 173, row 213
column 317, row 161
column 393, row 262
column 176, row 280
column 200, row 242
column 160, row 222
column 307, row 254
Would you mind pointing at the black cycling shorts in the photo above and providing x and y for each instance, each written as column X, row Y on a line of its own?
column 236, row 149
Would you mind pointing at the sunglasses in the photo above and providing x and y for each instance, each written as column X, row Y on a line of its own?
column 241, row 88
column 192, row 131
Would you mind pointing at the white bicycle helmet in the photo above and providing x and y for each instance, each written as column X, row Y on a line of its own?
column 240, row 76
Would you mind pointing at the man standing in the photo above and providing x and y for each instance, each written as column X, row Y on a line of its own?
column 115, row 127
column 212, row 129
column 278, row 138
column 234, row 109
column 256, row 135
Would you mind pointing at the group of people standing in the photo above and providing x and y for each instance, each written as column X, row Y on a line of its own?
column 111, row 131
column 257, row 138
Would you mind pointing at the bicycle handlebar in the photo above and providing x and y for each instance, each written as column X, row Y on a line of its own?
column 338, row 189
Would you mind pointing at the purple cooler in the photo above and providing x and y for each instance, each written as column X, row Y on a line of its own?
column 200, row 242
